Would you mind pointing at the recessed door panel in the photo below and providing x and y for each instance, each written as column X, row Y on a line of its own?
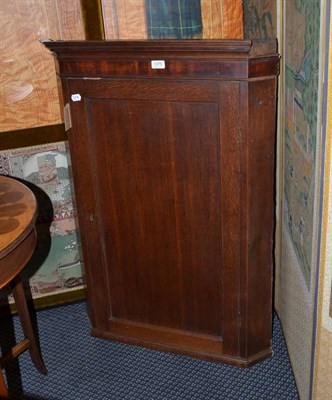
column 160, row 204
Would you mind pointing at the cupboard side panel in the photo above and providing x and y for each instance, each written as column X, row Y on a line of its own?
column 231, row 205
column 85, row 206
column 257, row 275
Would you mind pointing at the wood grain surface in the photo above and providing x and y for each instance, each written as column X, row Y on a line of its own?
column 174, row 178
column 28, row 90
column 18, row 213
column 124, row 19
column 222, row 19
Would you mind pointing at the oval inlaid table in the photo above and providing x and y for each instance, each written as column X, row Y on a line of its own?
column 18, row 214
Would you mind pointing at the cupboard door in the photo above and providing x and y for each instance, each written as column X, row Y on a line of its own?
column 156, row 168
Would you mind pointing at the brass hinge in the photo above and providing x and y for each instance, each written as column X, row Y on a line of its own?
column 67, row 116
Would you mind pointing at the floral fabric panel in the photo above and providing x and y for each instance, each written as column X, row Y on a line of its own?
column 301, row 107
column 260, row 19
column 56, row 264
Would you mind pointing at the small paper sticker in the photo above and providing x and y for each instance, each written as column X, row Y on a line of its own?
column 158, row 64
column 76, row 97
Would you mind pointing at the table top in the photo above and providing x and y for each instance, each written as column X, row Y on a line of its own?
column 18, row 213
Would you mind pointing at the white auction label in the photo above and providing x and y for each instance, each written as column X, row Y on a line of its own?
column 76, row 97
column 158, row 64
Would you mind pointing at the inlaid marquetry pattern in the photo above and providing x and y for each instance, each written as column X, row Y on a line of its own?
column 17, row 212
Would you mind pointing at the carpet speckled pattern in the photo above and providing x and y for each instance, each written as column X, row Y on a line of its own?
column 83, row 367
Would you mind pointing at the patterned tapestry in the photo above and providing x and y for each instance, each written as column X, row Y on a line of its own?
column 55, row 266
column 185, row 19
column 301, row 104
column 174, row 19
column 259, row 19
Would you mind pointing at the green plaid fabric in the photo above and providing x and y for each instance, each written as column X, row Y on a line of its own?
column 174, row 19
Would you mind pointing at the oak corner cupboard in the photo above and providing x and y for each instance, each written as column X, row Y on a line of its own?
column 172, row 146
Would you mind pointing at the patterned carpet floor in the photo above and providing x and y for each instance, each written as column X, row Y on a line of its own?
column 83, row 367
